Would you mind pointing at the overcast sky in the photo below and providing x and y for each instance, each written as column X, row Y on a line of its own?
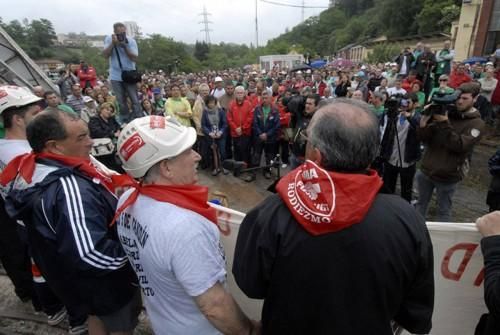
column 233, row 20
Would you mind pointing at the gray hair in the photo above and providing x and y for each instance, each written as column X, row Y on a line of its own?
column 152, row 174
column 239, row 89
column 347, row 135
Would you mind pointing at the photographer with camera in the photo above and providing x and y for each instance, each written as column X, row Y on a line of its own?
column 449, row 128
column 400, row 147
column 122, row 52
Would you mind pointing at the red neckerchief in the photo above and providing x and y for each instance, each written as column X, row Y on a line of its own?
column 191, row 197
column 324, row 201
column 24, row 165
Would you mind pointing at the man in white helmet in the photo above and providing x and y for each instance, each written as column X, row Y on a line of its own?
column 169, row 233
column 17, row 107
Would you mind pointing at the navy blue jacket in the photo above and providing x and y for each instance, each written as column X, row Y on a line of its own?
column 66, row 215
column 270, row 126
column 207, row 127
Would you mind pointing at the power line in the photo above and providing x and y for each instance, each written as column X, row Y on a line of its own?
column 293, row 5
column 256, row 27
column 205, row 23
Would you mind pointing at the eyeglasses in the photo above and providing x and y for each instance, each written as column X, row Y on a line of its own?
column 443, row 80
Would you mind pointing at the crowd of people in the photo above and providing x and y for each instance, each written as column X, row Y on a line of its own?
column 79, row 251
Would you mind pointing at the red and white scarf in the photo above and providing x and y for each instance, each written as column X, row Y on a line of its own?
column 325, row 201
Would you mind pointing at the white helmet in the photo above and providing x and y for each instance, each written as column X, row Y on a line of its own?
column 148, row 140
column 15, row 96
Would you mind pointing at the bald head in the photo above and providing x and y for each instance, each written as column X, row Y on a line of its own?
column 346, row 133
column 38, row 91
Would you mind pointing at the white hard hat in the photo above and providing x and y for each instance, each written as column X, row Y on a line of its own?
column 217, row 79
column 15, row 96
column 148, row 140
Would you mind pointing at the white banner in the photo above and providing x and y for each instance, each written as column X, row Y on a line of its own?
column 458, row 273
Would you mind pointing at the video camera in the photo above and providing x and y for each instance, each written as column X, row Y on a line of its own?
column 442, row 103
column 392, row 105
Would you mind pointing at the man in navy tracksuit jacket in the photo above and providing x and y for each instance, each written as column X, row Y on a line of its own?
column 266, row 124
column 67, row 206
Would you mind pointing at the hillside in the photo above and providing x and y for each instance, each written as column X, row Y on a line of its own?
column 357, row 20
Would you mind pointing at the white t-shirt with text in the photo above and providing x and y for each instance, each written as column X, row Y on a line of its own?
column 177, row 255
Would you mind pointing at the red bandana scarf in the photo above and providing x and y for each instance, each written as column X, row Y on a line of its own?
column 191, row 197
column 24, row 166
column 324, row 201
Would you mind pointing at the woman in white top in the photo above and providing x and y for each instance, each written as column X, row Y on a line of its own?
column 488, row 84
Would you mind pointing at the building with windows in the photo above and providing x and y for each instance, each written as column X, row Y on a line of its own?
column 280, row 62
column 477, row 32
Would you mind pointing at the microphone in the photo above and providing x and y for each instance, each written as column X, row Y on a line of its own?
column 234, row 166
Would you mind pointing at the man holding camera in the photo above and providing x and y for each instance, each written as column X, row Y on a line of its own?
column 449, row 135
column 400, row 147
column 122, row 52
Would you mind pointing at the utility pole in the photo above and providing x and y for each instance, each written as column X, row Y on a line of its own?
column 205, row 23
column 303, row 9
column 256, row 26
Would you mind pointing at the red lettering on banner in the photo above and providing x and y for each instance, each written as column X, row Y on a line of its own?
column 223, row 222
column 480, row 278
column 469, row 250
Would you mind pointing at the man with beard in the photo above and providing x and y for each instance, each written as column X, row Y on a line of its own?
column 449, row 139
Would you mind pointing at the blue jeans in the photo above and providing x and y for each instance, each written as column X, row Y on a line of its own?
column 121, row 91
column 444, row 195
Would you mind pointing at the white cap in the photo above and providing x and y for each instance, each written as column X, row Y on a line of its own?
column 489, row 63
column 15, row 96
column 148, row 140
column 263, row 71
column 86, row 99
column 218, row 79
column 363, row 67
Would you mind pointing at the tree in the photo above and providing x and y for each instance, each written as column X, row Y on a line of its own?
column 201, row 50
column 383, row 52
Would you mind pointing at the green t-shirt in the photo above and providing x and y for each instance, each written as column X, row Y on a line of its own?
column 378, row 110
column 2, row 130
column 421, row 101
column 266, row 111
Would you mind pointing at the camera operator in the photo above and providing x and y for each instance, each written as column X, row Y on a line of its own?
column 400, row 148
column 299, row 140
column 120, row 48
column 449, row 132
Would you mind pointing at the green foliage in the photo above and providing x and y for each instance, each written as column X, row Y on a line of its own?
column 383, row 52
column 36, row 37
column 160, row 52
column 437, row 15
column 94, row 57
column 351, row 21
column 201, row 50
